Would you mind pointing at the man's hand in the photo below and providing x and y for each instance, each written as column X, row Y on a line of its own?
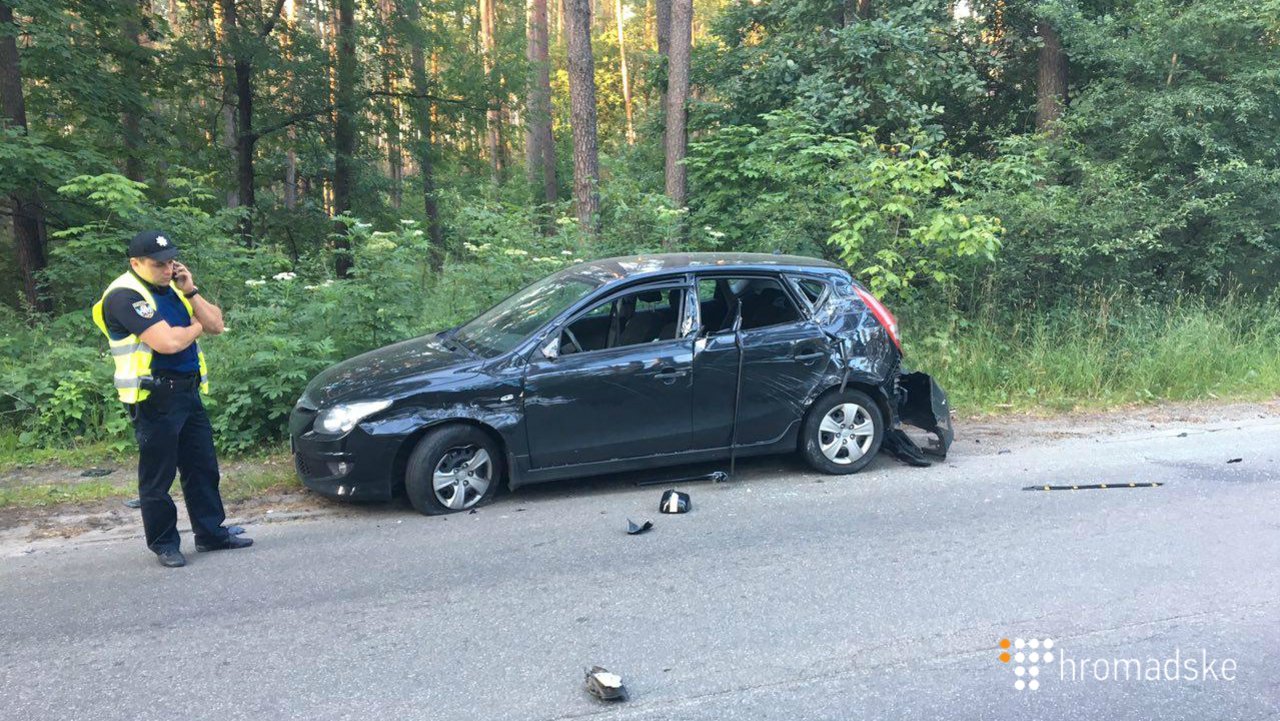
column 182, row 277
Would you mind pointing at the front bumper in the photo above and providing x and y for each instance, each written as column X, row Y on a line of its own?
column 357, row 466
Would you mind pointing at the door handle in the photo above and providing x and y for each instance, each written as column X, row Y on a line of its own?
column 809, row 357
column 670, row 374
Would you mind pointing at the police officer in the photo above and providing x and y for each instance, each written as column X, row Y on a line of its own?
column 152, row 315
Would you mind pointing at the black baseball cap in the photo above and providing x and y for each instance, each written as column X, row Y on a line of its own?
column 153, row 244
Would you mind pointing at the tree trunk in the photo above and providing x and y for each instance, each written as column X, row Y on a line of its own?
column 422, row 118
column 130, row 120
column 291, row 155
column 662, row 19
column 27, row 220
column 493, row 116
column 626, row 83
column 245, row 141
column 541, row 145
column 1051, row 82
column 582, row 116
column 662, row 23
column 677, row 99
column 226, row 36
column 344, row 133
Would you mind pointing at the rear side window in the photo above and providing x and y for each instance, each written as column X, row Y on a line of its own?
column 812, row 290
column 764, row 303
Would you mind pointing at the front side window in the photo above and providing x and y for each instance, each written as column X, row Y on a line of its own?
column 503, row 326
column 764, row 303
column 646, row 316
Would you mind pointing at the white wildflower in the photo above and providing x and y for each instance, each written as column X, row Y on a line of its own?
column 284, row 276
column 252, row 282
column 516, row 252
column 566, row 252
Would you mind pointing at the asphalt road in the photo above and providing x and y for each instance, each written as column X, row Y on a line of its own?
column 783, row 595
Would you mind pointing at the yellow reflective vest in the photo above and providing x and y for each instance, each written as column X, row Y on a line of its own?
column 131, row 355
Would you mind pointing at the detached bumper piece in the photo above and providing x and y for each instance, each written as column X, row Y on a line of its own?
column 923, row 404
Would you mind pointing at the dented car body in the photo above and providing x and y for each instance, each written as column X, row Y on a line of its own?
column 617, row 365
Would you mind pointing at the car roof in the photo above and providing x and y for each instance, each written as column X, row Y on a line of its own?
column 610, row 270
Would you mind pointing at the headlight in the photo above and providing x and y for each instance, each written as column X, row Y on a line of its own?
column 342, row 418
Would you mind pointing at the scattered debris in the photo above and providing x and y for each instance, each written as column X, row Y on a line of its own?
column 635, row 530
column 1092, row 486
column 472, row 513
column 1003, row 452
column 604, row 685
column 97, row 472
column 1182, row 434
column 899, row 445
column 674, row 501
column 1235, row 460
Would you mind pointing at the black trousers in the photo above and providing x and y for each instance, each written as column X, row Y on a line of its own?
column 174, row 435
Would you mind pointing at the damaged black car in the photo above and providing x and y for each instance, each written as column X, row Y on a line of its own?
column 618, row 365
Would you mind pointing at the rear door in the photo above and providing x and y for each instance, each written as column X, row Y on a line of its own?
column 784, row 357
column 621, row 384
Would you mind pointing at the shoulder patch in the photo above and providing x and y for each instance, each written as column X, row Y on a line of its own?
column 144, row 309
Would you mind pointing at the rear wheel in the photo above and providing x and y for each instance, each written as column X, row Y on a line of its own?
column 452, row 469
column 842, row 432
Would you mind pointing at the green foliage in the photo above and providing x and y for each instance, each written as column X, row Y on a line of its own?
column 896, row 213
column 906, row 219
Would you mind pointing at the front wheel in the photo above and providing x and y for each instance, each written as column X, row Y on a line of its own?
column 452, row 469
column 842, row 432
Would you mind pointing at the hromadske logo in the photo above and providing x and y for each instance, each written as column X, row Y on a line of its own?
column 1031, row 659
column 1028, row 657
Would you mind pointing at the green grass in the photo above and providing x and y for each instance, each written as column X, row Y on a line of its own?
column 244, row 476
column 1103, row 351
column 72, row 454
column 62, row 493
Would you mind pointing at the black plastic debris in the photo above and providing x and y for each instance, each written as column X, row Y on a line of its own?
column 674, row 501
column 235, row 530
column 923, row 404
column 134, row 503
column 898, row 444
column 634, row 529
column 604, row 685
column 1235, row 460
column 96, row 472
column 1092, row 486
column 1182, row 434
column 1003, row 452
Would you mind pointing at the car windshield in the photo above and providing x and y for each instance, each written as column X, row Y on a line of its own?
column 503, row 326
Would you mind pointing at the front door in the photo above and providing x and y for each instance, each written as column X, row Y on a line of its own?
column 620, row 386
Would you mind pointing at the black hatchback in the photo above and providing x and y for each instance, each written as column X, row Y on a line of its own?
column 618, row 365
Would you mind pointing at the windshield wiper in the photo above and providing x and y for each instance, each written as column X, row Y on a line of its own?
column 465, row 346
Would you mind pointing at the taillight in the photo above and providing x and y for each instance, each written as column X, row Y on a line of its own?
column 882, row 314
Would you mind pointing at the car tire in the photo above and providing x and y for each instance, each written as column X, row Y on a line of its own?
column 830, row 440
column 451, row 460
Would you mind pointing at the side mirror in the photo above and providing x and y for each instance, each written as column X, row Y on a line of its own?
column 551, row 349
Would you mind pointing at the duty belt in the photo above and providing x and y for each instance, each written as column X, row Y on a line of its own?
column 171, row 384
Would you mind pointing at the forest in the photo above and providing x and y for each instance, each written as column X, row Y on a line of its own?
column 1067, row 203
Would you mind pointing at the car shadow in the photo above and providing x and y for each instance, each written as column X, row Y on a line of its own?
column 749, row 470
